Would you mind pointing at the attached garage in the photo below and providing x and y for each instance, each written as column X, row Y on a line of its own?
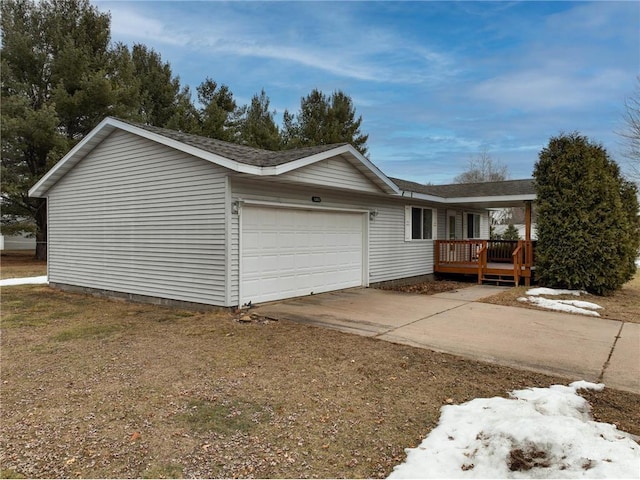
column 289, row 252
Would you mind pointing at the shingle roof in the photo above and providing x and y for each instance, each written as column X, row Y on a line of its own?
column 240, row 153
column 267, row 158
column 466, row 190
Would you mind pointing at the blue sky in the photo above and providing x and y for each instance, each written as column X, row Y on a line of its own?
column 436, row 83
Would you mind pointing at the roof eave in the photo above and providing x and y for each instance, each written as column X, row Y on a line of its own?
column 103, row 130
column 109, row 124
column 495, row 201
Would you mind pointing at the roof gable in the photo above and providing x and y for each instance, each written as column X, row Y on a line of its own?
column 234, row 157
column 259, row 162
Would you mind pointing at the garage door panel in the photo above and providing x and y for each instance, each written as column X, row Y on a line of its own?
column 288, row 252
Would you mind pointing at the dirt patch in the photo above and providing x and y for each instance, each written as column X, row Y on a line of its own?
column 523, row 459
column 429, row 287
column 98, row 388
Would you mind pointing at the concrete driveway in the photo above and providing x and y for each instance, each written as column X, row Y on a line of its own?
column 573, row 346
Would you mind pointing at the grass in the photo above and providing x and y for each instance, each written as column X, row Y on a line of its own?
column 21, row 263
column 623, row 305
column 100, row 388
column 228, row 416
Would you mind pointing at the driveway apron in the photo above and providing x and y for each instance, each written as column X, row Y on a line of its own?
column 573, row 346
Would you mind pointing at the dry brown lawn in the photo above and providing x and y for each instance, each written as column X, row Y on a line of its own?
column 623, row 305
column 21, row 263
column 93, row 387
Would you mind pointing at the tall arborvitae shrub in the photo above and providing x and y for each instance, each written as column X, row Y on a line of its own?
column 588, row 227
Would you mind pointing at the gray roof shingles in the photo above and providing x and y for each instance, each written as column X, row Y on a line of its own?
column 266, row 158
column 240, row 153
column 462, row 190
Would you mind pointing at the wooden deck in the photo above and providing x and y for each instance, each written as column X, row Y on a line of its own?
column 495, row 261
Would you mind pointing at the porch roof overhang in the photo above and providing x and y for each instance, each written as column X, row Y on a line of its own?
column 509, row 193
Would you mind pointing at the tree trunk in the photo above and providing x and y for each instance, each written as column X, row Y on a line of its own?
column 41, row 229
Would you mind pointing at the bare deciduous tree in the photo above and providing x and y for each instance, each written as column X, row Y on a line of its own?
column 632, row 133
column 483, row 168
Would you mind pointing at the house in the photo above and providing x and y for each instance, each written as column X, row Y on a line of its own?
column 158, row 215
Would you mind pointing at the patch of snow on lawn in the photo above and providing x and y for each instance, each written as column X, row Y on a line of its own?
column 570, row 306
column 537, row 433
column 24, row 281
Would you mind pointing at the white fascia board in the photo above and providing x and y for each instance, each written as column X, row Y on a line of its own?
column 468, row 200
column 67, row 162
column 421, row 196
column 500, row 198
column 195, row 151
column 303, row 162
column 104, row 128
column 108, row 125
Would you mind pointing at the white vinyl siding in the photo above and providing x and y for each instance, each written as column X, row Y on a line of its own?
column 333, row 172
column 138, row 217
column 390, row 257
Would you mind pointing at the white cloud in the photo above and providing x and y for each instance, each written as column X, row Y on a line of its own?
column 127, row 23
column 307, row 37
column 543, row 89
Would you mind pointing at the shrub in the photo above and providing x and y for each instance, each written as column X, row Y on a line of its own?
column 588, row 226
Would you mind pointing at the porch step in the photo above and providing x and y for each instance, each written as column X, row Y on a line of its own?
column 498, row 279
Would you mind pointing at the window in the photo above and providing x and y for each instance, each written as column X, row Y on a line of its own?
column 419, row 223
column 473, row 225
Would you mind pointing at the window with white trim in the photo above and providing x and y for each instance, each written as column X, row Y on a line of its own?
column 420, row 223
column 473, row 225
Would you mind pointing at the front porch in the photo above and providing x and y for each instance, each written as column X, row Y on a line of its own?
column 500, row 261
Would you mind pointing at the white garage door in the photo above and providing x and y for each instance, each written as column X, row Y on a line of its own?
column 289, row 253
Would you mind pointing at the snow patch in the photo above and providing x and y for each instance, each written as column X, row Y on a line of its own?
column 24, row 281
column 570, row 306
column 537, row 433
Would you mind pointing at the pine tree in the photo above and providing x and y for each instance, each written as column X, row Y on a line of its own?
column 324, row 121
column 510, row 233
column 219, row 112
column 257, row 127
column 59, row 79
column 160, row 91
column 588, row 231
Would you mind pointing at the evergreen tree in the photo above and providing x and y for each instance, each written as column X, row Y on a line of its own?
column 59, row 79
column 588, row 230
column 323, row 121
column 219, row 112
column 510, row 233
column 257, row 127
column 160, row 92
column 186, row 117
